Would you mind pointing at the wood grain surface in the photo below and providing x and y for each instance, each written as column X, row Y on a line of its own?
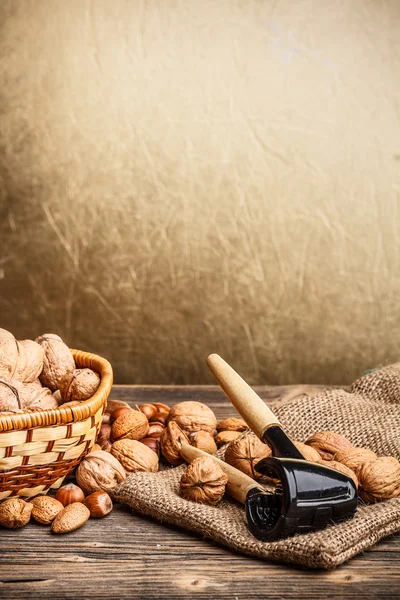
column 130, row 556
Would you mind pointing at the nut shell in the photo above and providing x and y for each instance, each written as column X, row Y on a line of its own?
column 135, row 456
column 70, row 493
column 308, row 452
column 45, row 509
column 232, row 424
column 355, row 458
column 380, row 479
column 171, row 442
column 80, row 385
column 152, row 443
column 224, row 437
column 30, row 361
column 99, row 504
column 99, row 470
column 204, row 441
column 10, row 400
column 244, row 454
column 70, row 518
column 132, row 425
column 15, row 513
column 203, row 481
column 58, row 361
column 193, row 416
column 118, row 412
column 327, row 443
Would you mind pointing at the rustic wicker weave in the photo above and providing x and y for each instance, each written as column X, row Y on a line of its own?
column 38, row 449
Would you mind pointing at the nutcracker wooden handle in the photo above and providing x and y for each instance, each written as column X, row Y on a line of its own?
column 248, row 404
column 238, row 485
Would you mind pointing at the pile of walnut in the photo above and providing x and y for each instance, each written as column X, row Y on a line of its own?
column 40, row 374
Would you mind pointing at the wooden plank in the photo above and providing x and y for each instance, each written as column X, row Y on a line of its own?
column 130, row 556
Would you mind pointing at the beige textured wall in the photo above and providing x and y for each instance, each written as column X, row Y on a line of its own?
column 179, row 177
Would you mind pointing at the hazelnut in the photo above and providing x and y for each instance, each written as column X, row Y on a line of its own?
column 104, row 437
column 118, row 412
column 99, row 471
column 79, row 385
column 58, row 361
column 99, row 504
column 70, row 518
column 244, row 454
column 171, row 442
column 152, row 443
column 155, row 430
column 193, row 416
column 327, row 443
column 134, row 456
column 114, row 404
column 69, row 493
column 161, row 407
column 149, row 410
column 15, row 513
column 132, row 425
column 160, row 417
column 204, row 481
column 224, row 437
column 204, row 441
column 45, row 509
column 232, row 424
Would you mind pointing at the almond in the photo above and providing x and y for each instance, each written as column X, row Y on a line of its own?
column 45, row 509
column 70, row 518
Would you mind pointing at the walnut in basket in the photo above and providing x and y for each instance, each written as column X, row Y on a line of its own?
column 58, row 361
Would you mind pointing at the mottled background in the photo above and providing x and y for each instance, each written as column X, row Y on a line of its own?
column 179, row 177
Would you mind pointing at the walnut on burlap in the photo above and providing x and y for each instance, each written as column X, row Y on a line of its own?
column 367, row 413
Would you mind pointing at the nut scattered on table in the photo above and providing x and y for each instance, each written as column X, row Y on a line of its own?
column 135, row 456
column 203, row 482
column 45, row 509
column 99, row 471
column 15, row 513
column 204, row 441
column 355, row 458
column 99, row 504
column 327, row 443
column 171, row 442
column 232, row 424
column 70, row 518
column 193, row 416
column 244, row 454
column 132, row 425
column 70, row 493
column 380, row 479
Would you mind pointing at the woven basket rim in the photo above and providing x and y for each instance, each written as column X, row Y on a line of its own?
column 63, row 416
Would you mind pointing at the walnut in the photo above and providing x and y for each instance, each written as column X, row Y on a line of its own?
column 232, row 424
column 134, row 456
column 203, row 481
column 327, row 443
column 36, row 397
column 355, row 458
column 245, row 452
column 132, row 425
column 380, row 479
column 171, row 442
column 58, row 361
column 99, row 471
column 10, row 400
column 79, row 385
column 57, row 397
column 20, row 360
column 15, row 513
column 308, row 452
column 6, row 334
column 193, row 416
column 334, row 464
column 204, row 441
column 224, row 437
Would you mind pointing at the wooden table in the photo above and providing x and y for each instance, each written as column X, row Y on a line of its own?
column 130, row 556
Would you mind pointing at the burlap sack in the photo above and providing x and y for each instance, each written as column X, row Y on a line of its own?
column 368, row 414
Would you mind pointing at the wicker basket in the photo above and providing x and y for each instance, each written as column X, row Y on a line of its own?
column 38, row 449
